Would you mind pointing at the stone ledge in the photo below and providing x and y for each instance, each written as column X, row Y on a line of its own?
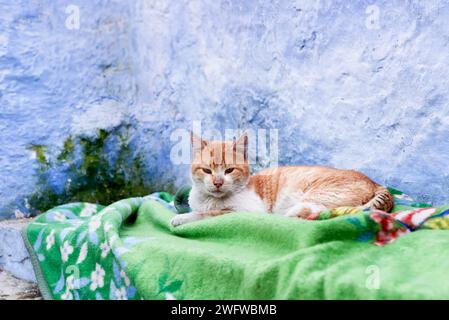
column 12, row 288
column 14, row 257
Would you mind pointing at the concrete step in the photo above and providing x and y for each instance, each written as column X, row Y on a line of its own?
column 12, row 288
column 14, row 257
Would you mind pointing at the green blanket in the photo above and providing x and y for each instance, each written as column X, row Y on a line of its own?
column 129, row 250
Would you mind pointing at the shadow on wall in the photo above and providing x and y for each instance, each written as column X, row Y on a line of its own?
column 100, row 169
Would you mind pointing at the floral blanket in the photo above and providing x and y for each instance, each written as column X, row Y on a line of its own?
column 129, row 250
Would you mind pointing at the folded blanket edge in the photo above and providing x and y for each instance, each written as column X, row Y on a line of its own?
column 40, row 279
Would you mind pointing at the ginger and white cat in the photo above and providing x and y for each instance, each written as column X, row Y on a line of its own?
column 222, row 184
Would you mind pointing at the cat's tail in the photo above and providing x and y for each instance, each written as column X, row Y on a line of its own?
column 382, row 200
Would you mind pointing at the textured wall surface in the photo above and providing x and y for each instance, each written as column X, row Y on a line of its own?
column 342, row 90
column 53, row 78
column 359, row 85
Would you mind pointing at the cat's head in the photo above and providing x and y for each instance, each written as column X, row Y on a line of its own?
column 220, row 168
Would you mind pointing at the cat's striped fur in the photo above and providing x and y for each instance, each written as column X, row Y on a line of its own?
column 222, row 183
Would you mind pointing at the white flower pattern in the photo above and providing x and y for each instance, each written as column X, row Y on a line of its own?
column 70, row 283
column 94, row 224
column 67, row 295
column 120, row 294
column 88, row 210
column 58, row 216
column 105, row 248
column 66, row 250
column 87, row 239
column 50, row 240
column 107, row 227
column 97, row 278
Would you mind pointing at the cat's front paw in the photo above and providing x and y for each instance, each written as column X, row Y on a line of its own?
column 181, row 219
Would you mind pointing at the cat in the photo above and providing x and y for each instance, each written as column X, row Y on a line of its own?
column 221, row 183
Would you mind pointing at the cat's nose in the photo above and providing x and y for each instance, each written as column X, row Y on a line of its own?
column 218, row 183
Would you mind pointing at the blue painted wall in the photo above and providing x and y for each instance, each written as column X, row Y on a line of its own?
column 56, row 82
column 347, row 84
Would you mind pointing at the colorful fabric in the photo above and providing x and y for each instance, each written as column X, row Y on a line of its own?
column 129, row 250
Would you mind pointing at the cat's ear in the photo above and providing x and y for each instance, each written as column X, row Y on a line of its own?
column 197, row 142
column 241, row 145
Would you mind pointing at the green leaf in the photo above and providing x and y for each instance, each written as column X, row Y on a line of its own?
column 173, row 286
column 162, row 281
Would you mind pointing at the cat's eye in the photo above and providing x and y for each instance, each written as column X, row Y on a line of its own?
column 228, row 171
column 208, row 171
